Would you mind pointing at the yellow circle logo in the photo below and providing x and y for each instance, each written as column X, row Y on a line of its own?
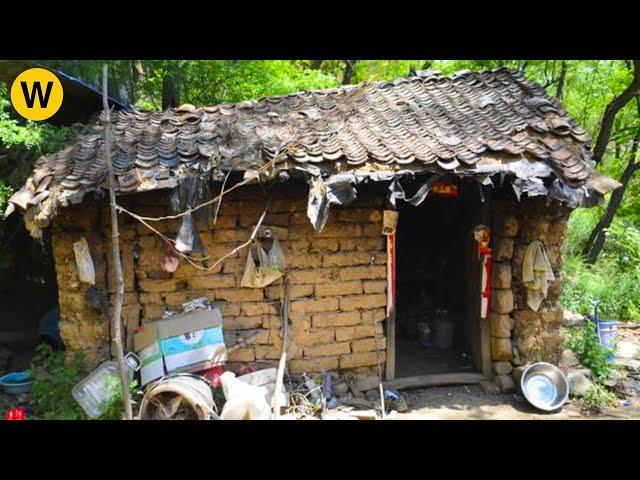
column 36, row 94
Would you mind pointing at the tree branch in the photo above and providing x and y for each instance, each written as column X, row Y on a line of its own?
column 611, row 111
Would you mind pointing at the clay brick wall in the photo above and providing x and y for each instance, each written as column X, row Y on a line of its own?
column 337, row 278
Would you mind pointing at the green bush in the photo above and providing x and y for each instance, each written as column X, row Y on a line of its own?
column 55, row 374
column 585, row 344
column 113, row 409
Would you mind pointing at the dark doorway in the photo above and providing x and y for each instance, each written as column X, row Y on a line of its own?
column 434, row 319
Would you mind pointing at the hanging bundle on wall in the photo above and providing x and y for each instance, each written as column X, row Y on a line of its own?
column 170, row 262
column 264, row 264
column 192, row 190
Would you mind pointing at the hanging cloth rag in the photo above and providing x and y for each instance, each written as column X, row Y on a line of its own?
column 536, row 274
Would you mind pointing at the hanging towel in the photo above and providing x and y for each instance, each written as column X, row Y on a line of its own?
column 536, row 274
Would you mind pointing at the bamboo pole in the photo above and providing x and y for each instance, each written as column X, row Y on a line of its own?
column 117, row 264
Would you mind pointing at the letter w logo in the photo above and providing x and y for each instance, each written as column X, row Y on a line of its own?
column 30, row 96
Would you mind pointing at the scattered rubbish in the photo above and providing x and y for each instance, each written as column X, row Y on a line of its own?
column 84, row 263
column 17, row 413
column 98, row 387
column 545, row 386
column 264, row 264
column 182, row 396
column 315, row 393
column 266, row 378
column 16, row 383
column 625, row 403
column 327, row 392
column 190, row 341
column 170, row 262
column 536, row 274
column 244, row 401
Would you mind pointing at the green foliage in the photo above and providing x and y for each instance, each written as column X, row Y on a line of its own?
column 584, row 343
column 55, row 374
column 113, row 409
column 598, row 396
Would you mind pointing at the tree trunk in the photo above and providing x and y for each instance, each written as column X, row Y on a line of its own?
column 596, row 240
column 612, row 109
column 316, row 64
column 117, row 264
column 561, row 77
column 349, row 71
column 170, row 91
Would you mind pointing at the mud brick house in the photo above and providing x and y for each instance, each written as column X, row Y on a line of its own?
column 448, row 154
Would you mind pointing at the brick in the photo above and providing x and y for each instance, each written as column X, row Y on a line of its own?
column 146, row 285
column 314, row 337
column 228, row 309
column 301, row 365
column 309, row 305
column 149, row 298
column 365, row 302
column 370, row 316
column 342, row 259
column 352, row 333
column 315, row 276
column 501, row 349
column 502, row 300
column 153, row 312
column 267, row 352
column 259, row 308
column 336, row 319
column 212, row 281
column 240, row 294
column 342, row 230
column 303, row 260
column 500, row 325
column 225, row 222
column 241, row 355
column 242, row 323
column 369, row 344
column 232, row 235
column 276, row 292
column 502, row 249
column 374, row 286
column 360, row 273
column 357, row 215
column 324, row 245
column 327, row 350
column 338, row 288
column 361, row 359
column 175, row 299
column 366, row 244
column 501, row 275
column 506, row 226
column 502, row 368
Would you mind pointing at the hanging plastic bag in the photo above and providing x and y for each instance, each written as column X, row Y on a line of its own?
column 244, row 401
column 269, row 264
column 84, row 262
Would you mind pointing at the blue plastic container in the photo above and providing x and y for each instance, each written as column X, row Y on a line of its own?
column 607, row 331
column 16, row 383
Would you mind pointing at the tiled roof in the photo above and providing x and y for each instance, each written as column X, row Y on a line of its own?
column 424, row 122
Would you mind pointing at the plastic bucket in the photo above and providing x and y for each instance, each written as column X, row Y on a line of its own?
column 607, row 331
column 443, row 334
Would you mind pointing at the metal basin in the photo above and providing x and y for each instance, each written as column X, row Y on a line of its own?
column 545, row 386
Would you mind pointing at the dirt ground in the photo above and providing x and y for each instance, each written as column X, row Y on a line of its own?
column 471, row 403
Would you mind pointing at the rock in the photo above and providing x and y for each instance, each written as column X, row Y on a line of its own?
column 506, row 383
column 490, row 388
column 583, row 370
column 579, row 384
column 627, row 350
column 516, row 357
column 568, row 359
column 502, row 368
column 517, row 374
column 571, row 319
column 630, row 364
column 340, row 388
column 613, row 379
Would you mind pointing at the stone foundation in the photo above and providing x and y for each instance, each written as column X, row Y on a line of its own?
column 520, row 335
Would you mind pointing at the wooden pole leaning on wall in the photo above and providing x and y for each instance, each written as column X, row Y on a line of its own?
column 117, row 264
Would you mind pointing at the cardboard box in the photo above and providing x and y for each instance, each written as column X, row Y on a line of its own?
column 184, row 342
